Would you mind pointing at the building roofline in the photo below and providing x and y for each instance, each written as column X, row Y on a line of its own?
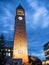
column 46, row 44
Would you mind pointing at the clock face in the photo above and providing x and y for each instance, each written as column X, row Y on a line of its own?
column 20, row 18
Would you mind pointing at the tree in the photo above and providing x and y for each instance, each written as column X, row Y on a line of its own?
column 2, row 44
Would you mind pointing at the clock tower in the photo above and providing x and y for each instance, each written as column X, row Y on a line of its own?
column 20, row 41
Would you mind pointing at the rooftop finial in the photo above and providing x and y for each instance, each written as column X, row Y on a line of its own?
column 19, row 7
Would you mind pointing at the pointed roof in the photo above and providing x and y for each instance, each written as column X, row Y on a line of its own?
column 47, row 44
column 20, row 7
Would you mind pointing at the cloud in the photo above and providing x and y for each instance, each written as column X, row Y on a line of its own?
column 4, row 31
column 11, row 27
column 40, row 17
column 7, row 22
column 33, row 3
column 7, row 19
column 40, row 54
column 8, row 13
column 6, row 25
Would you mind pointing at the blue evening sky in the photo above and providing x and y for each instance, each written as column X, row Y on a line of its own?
column 37, row 23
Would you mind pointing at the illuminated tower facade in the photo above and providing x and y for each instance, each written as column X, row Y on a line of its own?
column 20, row 42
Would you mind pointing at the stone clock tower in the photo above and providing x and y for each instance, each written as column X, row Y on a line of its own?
column 20, row 41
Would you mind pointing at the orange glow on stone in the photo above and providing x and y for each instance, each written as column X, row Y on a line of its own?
column 20, row 42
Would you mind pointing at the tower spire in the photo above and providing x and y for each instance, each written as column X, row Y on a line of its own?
column 20, row 7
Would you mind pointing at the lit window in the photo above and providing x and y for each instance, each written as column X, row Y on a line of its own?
column 7, row 54
column 8, row 49
column 5, row 49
